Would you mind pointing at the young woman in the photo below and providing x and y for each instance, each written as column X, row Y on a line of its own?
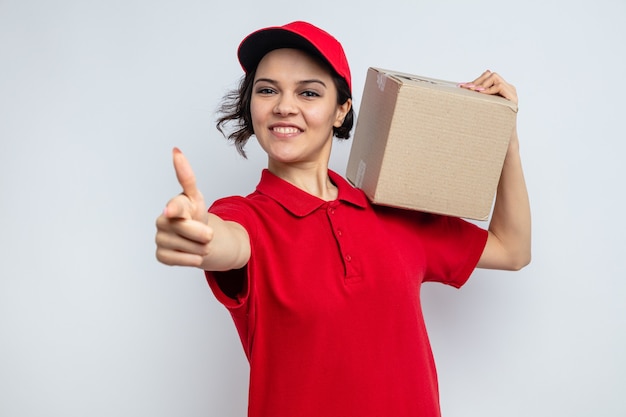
column 324, row 287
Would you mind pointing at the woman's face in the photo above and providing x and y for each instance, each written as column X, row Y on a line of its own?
column 294, row 108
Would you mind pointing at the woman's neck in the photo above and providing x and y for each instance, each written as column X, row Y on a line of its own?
column 310, row 178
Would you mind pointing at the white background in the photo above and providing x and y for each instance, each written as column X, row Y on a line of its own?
column 93, row 96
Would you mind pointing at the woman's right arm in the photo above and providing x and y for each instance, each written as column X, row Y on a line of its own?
column 187, row 235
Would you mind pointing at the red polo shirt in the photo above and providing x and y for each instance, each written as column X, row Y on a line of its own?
column 329, row 314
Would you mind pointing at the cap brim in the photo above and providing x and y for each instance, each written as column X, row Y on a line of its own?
column 256, row 45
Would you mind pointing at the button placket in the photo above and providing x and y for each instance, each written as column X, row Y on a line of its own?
column 336, row 218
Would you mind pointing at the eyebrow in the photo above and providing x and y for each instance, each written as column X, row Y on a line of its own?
column 313, row 80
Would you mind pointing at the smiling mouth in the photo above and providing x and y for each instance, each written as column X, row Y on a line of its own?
column 285, row 130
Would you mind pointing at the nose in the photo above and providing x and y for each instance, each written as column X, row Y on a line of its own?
column 285, row 105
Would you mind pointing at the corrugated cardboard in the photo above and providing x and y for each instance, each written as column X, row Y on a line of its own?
column 428, row 145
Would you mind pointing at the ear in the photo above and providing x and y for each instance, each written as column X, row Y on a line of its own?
column 342, row 111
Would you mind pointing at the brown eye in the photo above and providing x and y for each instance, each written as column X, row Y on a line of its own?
column 309, row 93
column 265, row 91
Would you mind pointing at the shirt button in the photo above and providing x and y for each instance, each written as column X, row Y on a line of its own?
column 348, row 258
column 339, row 232
column 331, row 211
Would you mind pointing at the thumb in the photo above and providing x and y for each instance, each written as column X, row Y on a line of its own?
column 185, row 176
column 190, row 204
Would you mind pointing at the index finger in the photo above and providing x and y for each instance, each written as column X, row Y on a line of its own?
column 482, row 78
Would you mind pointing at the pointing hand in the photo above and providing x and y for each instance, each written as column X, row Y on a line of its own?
column 183, row 235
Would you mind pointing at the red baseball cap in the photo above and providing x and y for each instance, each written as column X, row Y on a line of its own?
column 299, row 35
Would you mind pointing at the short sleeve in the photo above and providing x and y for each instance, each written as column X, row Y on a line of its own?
column 453, row 247
column 232, row 288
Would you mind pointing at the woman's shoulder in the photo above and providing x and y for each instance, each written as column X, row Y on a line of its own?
column 238, row 202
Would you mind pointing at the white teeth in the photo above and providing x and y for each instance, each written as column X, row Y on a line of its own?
column 285, row 130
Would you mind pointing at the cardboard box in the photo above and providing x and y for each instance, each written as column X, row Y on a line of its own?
column 429, row 145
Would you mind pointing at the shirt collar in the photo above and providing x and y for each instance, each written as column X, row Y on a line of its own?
column 299, row 202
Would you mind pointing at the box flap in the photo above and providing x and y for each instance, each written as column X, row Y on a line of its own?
column 443, row 86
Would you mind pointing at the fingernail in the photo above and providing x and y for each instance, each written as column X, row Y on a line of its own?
column 480, row 88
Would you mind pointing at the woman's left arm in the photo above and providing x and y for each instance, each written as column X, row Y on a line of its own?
column 509, row 241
